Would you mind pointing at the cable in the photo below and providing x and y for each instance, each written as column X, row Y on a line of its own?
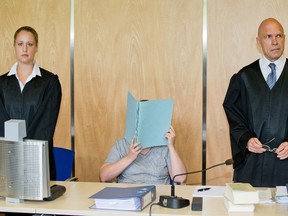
column 150, row 210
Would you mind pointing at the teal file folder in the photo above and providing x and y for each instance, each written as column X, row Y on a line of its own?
column 148, row 120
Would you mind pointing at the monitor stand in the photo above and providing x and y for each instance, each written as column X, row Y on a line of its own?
column 14, row 200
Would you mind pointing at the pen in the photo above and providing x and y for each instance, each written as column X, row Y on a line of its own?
column 203, row 189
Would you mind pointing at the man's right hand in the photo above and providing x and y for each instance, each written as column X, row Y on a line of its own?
column 135, row 149
column 255, row 146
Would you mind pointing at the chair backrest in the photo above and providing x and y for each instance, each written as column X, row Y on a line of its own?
column 64, row 159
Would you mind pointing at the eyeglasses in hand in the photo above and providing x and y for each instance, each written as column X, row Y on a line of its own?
column 267, row 148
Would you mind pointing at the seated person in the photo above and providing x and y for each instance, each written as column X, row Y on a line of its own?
column 129, row 163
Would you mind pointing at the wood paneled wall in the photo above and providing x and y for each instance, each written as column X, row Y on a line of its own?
column 152, row 48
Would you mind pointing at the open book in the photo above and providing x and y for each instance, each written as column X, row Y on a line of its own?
column 148, row 120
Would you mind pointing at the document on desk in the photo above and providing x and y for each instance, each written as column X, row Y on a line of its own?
column 209, row 191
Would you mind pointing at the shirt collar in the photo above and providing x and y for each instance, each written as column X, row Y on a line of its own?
column 279, row 62
column 35, row 72
column 265, row 69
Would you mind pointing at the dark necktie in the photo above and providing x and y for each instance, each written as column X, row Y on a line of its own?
column 271, row 79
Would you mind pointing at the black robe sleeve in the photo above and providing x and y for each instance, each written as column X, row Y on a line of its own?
column 239, row 127
column 4, row 116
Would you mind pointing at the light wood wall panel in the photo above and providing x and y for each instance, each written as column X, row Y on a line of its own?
column 152, row 48
column 51, row 19
column 232, row 31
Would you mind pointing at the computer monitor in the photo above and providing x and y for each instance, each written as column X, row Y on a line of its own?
column 24, row 170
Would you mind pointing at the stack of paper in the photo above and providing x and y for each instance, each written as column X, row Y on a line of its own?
column 240, row 197
column 281, row 195
column 265, row 195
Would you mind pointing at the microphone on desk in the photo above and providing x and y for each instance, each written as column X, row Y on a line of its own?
column 175, row 202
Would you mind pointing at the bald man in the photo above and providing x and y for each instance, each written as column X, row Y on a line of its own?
column 256, row 106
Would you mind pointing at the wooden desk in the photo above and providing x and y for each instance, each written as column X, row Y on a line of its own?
column 76, row 202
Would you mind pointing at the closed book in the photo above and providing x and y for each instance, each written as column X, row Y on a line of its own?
column 125, row 198
column 241, row 193
column 148, row 120
column 231, row 207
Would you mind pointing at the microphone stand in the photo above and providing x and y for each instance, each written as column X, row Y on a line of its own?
column 178, row 202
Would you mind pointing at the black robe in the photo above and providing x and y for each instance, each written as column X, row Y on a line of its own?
column 253, row 110
column 38, row 105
